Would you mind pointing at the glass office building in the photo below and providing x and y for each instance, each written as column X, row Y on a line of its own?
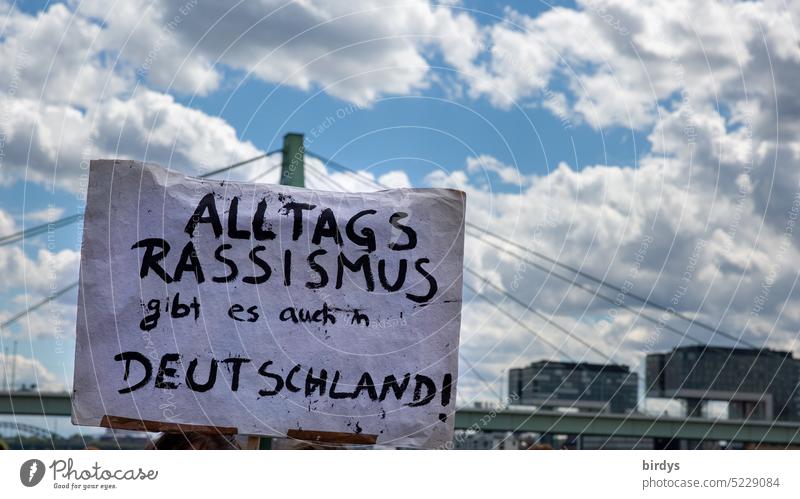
column 600, row 387
column 758, row 384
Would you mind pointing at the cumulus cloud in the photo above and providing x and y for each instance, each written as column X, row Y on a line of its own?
column 37, row 273
column 53, row 57
column 52, row 144
column 46, row 271
column 489, row 164
column 65, row 100
column 68, row 98
column 29, row 372
column 666, row 230
column 53, row 321
column 7, row 224
column 49, row 214
column 621, row 59
column 704, row 221
column 356, row 51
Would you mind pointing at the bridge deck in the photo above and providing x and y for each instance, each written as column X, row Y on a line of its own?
column 600, row 424
column 629, row 425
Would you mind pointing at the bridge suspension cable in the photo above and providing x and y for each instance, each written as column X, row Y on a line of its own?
column 602, row 282
column 39, row 229
column 26, row 233
column 593, row 292
column 60, row 292
column 240, row 163
column 480, row 377
column 529, row 308
column 518, row 321
column 647, row 302
column 329, row 182
column 545, row 318
column 19, row 315
column 63, row 222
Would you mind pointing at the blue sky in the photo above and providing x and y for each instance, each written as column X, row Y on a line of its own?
column 423, row 130
column 583, row 128
column 415, row 133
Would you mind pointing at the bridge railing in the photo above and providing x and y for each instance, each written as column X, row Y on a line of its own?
column 527, row 420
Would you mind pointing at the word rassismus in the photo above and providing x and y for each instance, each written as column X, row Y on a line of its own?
column 323, row 266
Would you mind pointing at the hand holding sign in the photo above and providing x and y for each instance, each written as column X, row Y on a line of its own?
column 268, row 309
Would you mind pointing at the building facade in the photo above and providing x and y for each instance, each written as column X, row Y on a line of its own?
column 758, row 384
column 585, row 386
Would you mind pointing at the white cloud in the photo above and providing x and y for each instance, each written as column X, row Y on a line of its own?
column 152, row 127
column 45, row 215
column 321, row 178
column 54, row 57
column 29, row 372
column 357, row 51
column 51, row 142
column 7, row 224
column 712, row 86
column 486, row 163
column 53, row 321
column 395, row 179
column 36, row 274
column 67, row 102
column 46, row 271
column 64, row 99
column 670, row 228
column 621, row 59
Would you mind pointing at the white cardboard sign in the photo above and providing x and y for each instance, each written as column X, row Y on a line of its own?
column 268, row 309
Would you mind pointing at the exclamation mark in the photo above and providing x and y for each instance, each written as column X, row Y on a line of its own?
column 447, row 390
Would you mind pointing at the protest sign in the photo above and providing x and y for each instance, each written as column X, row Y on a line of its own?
column 268, row 310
